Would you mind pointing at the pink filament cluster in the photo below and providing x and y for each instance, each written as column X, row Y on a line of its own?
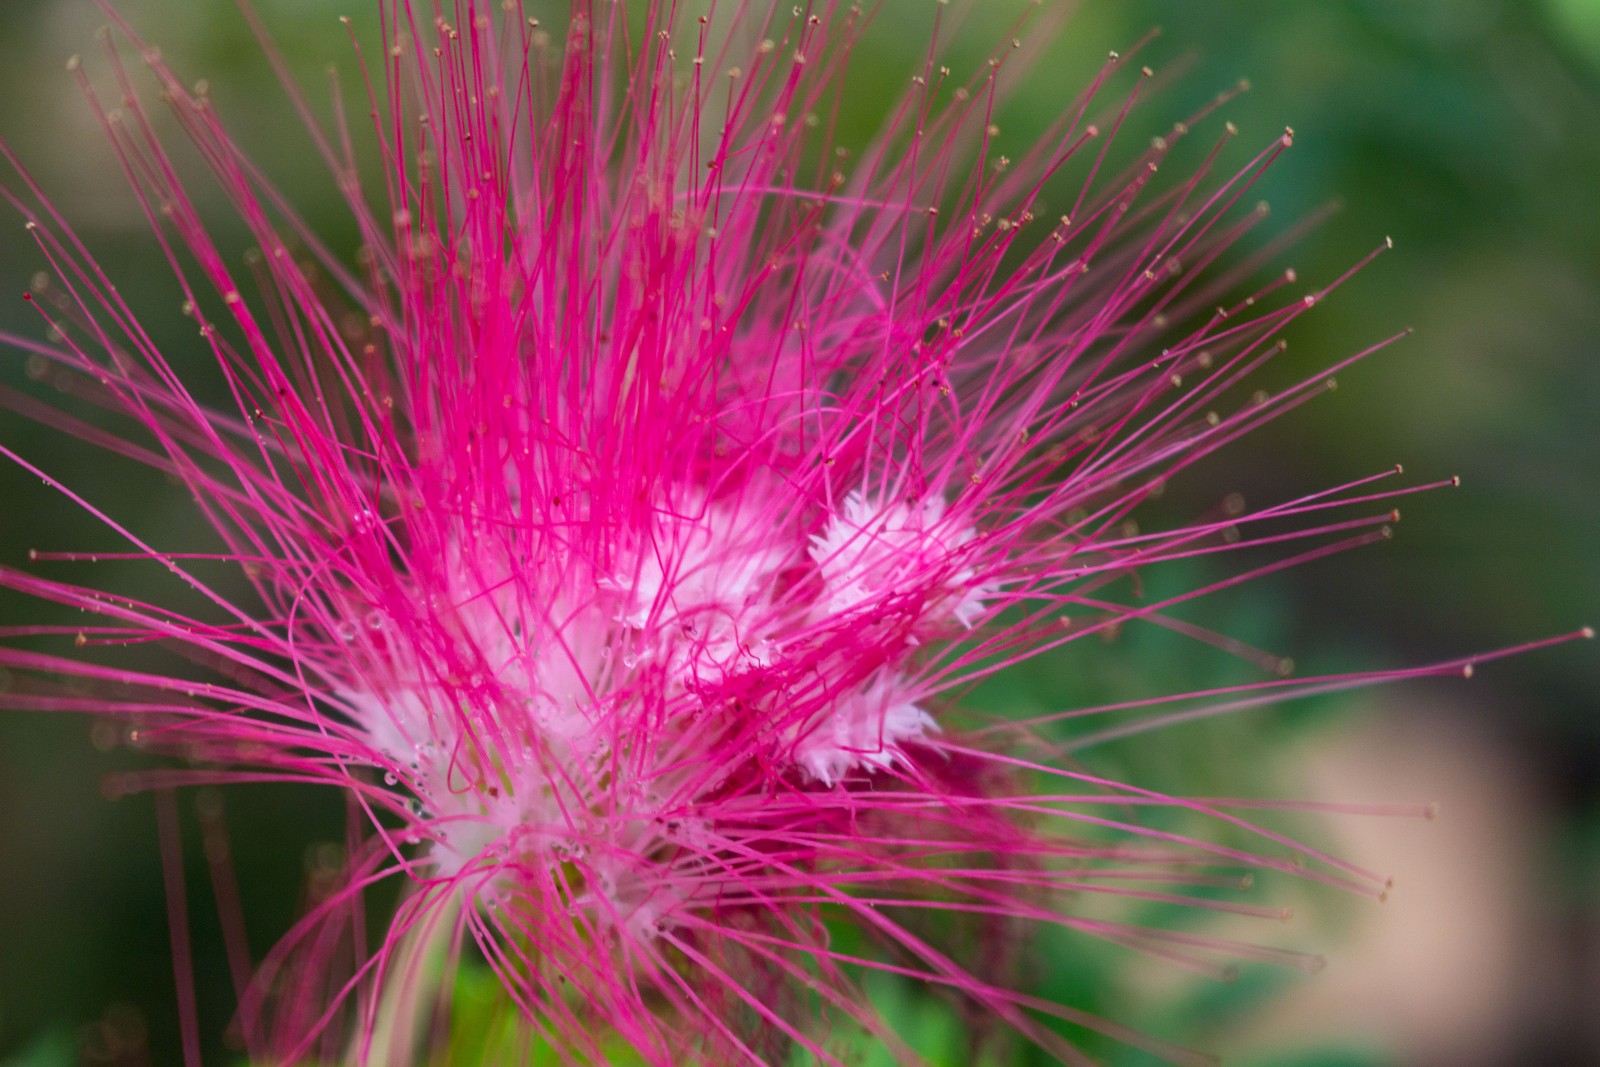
column 617, row 527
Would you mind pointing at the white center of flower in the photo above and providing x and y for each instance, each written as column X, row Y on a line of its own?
column 559, row 667
column 868, row 553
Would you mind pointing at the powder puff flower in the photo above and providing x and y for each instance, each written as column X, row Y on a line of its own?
column 618, row 524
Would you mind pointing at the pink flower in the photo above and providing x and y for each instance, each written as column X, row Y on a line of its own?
column 620, row 529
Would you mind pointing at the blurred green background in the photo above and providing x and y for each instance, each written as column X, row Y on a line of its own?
column 1468, row 130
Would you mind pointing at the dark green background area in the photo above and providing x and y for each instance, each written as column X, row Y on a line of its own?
column 1468, row 130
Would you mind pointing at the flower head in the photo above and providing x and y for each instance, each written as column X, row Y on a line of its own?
column 619, row 526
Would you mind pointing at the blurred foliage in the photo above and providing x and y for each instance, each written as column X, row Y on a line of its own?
column 1469, row 130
